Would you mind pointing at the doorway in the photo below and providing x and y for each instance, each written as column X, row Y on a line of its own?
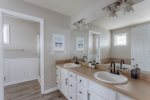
column 94, row 47
column 41, row 44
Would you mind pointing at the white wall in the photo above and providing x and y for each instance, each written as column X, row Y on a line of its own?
column 55, row 23
column 121, row 51
column 23, row 34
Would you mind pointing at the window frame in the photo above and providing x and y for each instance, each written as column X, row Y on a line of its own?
column 120, row 44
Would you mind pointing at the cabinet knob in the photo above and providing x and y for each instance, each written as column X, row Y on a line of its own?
column 71, row 85
column 70, row 97
column 80, row 92
column 80, row 81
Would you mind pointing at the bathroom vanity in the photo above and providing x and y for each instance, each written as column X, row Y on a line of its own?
column 79, row 84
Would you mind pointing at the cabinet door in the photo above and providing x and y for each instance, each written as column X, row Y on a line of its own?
column 81, row 93
column 64, row 82
column 93, row 96
column 64, row 86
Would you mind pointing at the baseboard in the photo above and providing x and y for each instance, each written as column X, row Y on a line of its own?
column 51, row 90
column 20, row 81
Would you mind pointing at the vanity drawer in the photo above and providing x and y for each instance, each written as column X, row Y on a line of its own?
column 81, row 93
column 103, row 91
column 72, row 95
column 72, row 85
column 72, row 76
column 81, row 81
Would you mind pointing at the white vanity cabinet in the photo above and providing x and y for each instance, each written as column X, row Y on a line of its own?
column 58, row 76
column 76, row 87
column 94, row 96
column 82, row 85
column 102, row 92
column 72, row 86
column 64, row 82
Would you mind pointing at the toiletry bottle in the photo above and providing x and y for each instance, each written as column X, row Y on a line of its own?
column 135, row 72
column 90, row 64
column 93, row 65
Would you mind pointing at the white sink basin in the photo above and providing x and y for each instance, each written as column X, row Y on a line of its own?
column 71, row 65
column 110, row 78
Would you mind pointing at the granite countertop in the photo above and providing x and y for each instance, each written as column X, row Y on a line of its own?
column 137, row 89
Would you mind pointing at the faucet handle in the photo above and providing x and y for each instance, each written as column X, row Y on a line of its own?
column 119, row 72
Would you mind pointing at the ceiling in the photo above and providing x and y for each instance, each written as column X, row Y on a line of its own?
column 67, row 7
column 92, row 11
column 140, row 15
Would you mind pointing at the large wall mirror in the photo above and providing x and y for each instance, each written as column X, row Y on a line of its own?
column 130, row 44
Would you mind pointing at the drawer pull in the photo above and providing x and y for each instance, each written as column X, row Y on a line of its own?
column 88, row 96
column 80, row 92
column 66, row 81
column 80, row 81
column 70, row 75
column 70, row 97
column 71, row 85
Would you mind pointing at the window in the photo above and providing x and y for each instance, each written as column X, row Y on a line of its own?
column 120, row 39
column 6, row 33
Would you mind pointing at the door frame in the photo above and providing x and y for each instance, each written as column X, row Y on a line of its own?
column 29, row 18
column 1, row 61
column 91, row 33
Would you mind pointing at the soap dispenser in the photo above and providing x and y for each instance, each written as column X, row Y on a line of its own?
column 135, row 72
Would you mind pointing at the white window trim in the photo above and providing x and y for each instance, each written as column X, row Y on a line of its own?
column 115, row 39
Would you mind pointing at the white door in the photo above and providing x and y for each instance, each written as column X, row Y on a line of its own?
column 93, row 96
column 140, row 47
column 1, row 61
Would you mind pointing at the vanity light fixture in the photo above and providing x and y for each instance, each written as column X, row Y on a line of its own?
column 120, row 5
column 80, row 24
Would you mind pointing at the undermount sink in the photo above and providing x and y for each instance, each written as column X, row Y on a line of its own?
column 71, row 65
column 110, row 78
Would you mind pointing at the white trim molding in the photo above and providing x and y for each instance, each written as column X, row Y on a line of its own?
column 1, row 61
column 30, row 18
column 50, row 90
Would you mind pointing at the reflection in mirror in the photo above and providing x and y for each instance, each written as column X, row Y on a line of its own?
column 94, row 47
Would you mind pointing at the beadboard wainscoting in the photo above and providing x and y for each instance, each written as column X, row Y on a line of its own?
column 18, row 70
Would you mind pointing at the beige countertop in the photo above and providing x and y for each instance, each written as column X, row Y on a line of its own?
column 138, row 89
